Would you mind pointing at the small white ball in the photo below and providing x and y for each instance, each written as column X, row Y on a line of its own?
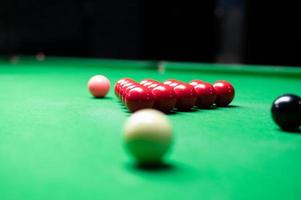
column 148, row 135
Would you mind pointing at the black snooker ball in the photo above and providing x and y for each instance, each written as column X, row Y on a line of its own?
column 286, row 112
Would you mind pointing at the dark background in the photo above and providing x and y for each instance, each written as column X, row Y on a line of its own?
column 228, row 31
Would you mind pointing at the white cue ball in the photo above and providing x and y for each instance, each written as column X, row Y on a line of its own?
column 148, row 136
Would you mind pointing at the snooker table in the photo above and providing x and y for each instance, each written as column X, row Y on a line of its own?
column 57, row 142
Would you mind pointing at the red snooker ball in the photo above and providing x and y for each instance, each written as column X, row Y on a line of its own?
column 205, row 94
column 170, row 81
column 117, row 85
column 165, row 98
column 149, row 83
column 195, row 82
column 186, row 96
column 121, row 84
column 152, row 86
column 139, row 98
column 224, row 93
column 127, row 89
column 123, row 88
column 146, row 82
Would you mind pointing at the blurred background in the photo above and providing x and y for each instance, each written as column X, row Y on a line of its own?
column 224, row 31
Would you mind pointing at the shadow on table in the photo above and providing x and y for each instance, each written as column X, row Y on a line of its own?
column 99, row 98
column 296, row 132
column 177, row 112
column 172, row 170
column 155, row 166
column 152, row 167
column 231, row 106
column 214, row 107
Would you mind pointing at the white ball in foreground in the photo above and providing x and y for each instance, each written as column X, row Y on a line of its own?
column 148, row 135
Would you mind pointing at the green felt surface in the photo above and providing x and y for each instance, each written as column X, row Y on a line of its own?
column 57, row 142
